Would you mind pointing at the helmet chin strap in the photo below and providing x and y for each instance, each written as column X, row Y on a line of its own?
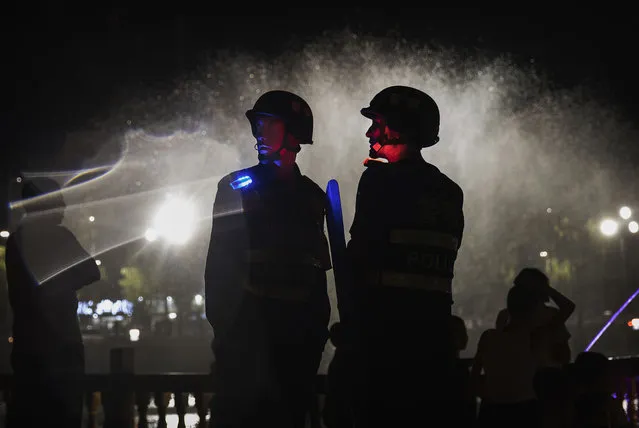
column 272, row 157
column 276, row 155
column 375, row 148
column 383, row 141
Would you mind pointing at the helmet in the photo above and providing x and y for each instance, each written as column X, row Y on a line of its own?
column 290, row 108
column 408, row 111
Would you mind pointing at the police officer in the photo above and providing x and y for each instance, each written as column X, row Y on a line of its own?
column 404, row 240
column 266, row 289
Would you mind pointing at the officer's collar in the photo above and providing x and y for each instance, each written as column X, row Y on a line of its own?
column 413, row 162
column 271, row 170
column 404, row 162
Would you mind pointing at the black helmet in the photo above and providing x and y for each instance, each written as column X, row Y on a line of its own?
column 408, row 111
column 290, row 108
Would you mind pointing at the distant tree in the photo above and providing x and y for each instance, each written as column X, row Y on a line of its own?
column 3, row 265
column 133, row 283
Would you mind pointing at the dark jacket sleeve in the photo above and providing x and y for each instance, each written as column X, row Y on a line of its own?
column 364, row 215
column 462, row 219
column 225, row 261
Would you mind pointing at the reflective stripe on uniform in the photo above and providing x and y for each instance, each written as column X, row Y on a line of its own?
column 277, row 257
column 411, row 280
column 424, row 238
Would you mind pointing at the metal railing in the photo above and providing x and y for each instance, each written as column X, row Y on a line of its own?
column 123, row 398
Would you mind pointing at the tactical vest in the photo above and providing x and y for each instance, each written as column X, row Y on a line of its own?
column 419, row 259
column 288, row 252
column 410, row 238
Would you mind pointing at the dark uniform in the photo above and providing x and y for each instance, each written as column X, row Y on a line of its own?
column 266, row 296
column 405, row 235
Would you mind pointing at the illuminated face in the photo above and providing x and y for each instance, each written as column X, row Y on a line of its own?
column 269, row 133
column 379, row 135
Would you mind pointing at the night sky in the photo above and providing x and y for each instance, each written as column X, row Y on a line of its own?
column 64, row 64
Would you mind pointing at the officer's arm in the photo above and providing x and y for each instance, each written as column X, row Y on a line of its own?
column 324, row 250
column 461, row 217
column 224, row 255
column 358, row 204
column 361, row 220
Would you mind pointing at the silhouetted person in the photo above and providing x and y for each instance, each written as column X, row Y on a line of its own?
column 550, row 342
column 46, row 266
column 554, row 342
column 467, row 407
column 555, row 393
column 502, row 319
column 594, row 404
column 404, row 239
column 507, row 360
column 460, row 334
column 266, row 289
column 504, row 368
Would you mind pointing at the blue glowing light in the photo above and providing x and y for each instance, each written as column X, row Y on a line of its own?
column 335, row 225
column 243, row 181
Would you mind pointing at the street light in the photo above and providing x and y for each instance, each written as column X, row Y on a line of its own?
column 198, row 299
column 134, row 334
column 174, row 221
column 151, row 234
column 609, row 227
